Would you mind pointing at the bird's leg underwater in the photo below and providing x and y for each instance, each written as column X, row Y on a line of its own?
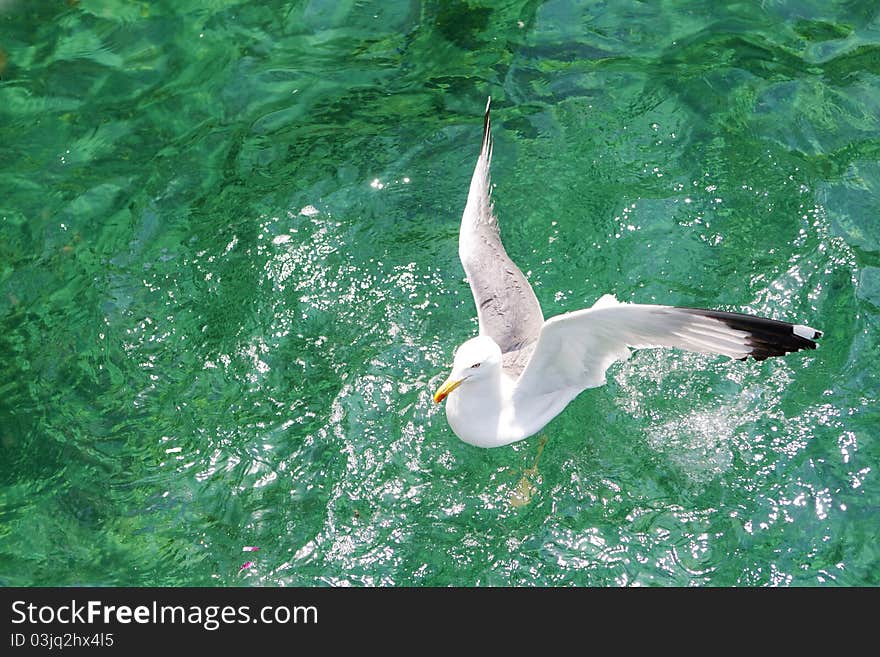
column 526, row 488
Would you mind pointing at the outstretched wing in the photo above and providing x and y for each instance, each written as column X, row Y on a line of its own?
column 507, row 308
column 574, row 350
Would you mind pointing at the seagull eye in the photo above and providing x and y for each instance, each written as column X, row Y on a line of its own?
column 475, row 366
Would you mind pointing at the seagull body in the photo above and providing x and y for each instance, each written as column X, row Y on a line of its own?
column 520, row 372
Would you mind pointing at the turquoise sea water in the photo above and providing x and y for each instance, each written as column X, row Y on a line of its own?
column 229, row 284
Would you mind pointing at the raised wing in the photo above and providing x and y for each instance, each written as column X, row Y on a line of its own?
column 574, row 350
column 507, row 308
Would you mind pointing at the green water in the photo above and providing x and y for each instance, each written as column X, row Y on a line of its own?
column 229, row 284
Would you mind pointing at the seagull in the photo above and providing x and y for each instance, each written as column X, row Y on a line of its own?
column 521, row 371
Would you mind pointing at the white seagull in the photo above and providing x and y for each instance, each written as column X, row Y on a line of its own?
column 521, row 371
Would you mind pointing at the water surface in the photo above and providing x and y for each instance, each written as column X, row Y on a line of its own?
column 229, row 284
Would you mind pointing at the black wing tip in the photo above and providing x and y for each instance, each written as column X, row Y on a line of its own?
column 487, row 127
column 767, row 338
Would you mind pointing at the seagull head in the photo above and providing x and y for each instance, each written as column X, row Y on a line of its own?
column 475, row 360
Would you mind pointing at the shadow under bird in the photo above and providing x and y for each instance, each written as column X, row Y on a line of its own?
column 521, row 371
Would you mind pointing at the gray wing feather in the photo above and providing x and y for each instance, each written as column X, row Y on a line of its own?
column 507, row 308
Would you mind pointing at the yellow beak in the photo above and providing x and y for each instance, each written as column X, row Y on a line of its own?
column 444, row 390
